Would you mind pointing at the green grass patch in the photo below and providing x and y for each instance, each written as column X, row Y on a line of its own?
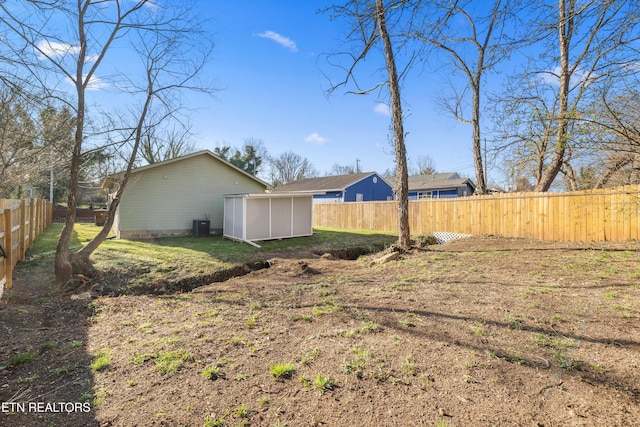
column 102, row 360
column 65, row 369
column 323, row 383
column 21, row 358
column 169, row 362
column 282, row 370
column 47, row 345
column 212, row 372
column 166, row 362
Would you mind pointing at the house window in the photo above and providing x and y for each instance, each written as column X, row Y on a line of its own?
column 359, row 197
column 424, row 195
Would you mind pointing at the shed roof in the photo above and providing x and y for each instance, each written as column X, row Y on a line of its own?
column 325, row 183
column 114, row 178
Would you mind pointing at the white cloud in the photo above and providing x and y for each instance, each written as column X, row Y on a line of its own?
column 59, row 50
column 91, row 58
column 280, row 39
column 55, row 49
column 316, row 138
column 552, row 77
column 96, row 83
column 383, row 109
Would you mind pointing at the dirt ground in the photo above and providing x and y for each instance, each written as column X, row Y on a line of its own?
column 481, row 331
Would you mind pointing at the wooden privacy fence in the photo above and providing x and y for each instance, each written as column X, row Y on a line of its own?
column 21, row 222
column 600, row 215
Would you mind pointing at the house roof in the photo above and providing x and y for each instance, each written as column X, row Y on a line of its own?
column 114, row 178
column 441, row 184
column 325, row 183
column 437, row 181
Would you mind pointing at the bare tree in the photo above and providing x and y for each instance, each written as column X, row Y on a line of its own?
column 337, row 169
column 164, row 144
column 172, row 48
column 34, row 141
column 587, row 50
column 423, row 165
column 614, row 123
column 288, row 167
column 369, row 28
column 17, row 141
column 474, row 37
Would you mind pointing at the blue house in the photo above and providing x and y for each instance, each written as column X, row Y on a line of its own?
column 439, row 186
column 356, row 187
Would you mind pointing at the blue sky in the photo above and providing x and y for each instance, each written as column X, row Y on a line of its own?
column 270, row 65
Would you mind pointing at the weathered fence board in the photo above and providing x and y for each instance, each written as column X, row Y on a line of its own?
column 593, row 215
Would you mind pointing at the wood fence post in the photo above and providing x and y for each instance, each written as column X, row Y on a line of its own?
column 23, row 245
column 39, row 217
column 32, row 229
column 9, row 245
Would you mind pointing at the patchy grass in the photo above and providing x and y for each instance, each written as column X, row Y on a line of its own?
column 434, row 339
column 21, row 358
column 142, row 264
column 282, row 370
column 102, row 360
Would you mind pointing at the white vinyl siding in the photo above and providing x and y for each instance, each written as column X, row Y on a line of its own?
column 166, row 199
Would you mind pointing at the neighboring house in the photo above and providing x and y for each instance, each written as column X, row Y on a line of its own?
column 165, row 198
column 356, row 187
column 439, row 186
column 495, row 190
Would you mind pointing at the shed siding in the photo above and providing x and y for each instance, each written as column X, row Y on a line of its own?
column 266, row 217
column 166, row 200
column 281, row 217
column 258, row 219
column 303, row 218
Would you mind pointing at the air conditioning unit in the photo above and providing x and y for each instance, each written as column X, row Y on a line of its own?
column 201, row 227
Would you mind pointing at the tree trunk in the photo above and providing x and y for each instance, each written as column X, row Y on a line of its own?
column 571, row 177
column 565, row 31
column 481, row 180
column 65, row 261
column 402, row 189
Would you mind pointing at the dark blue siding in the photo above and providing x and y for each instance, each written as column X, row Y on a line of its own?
column 444, row 194
column 448, row 194
column 370, row 191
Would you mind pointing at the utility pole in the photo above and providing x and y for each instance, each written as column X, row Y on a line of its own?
column 357, row 165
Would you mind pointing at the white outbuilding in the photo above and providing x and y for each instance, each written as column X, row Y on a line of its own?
column 255, row 217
